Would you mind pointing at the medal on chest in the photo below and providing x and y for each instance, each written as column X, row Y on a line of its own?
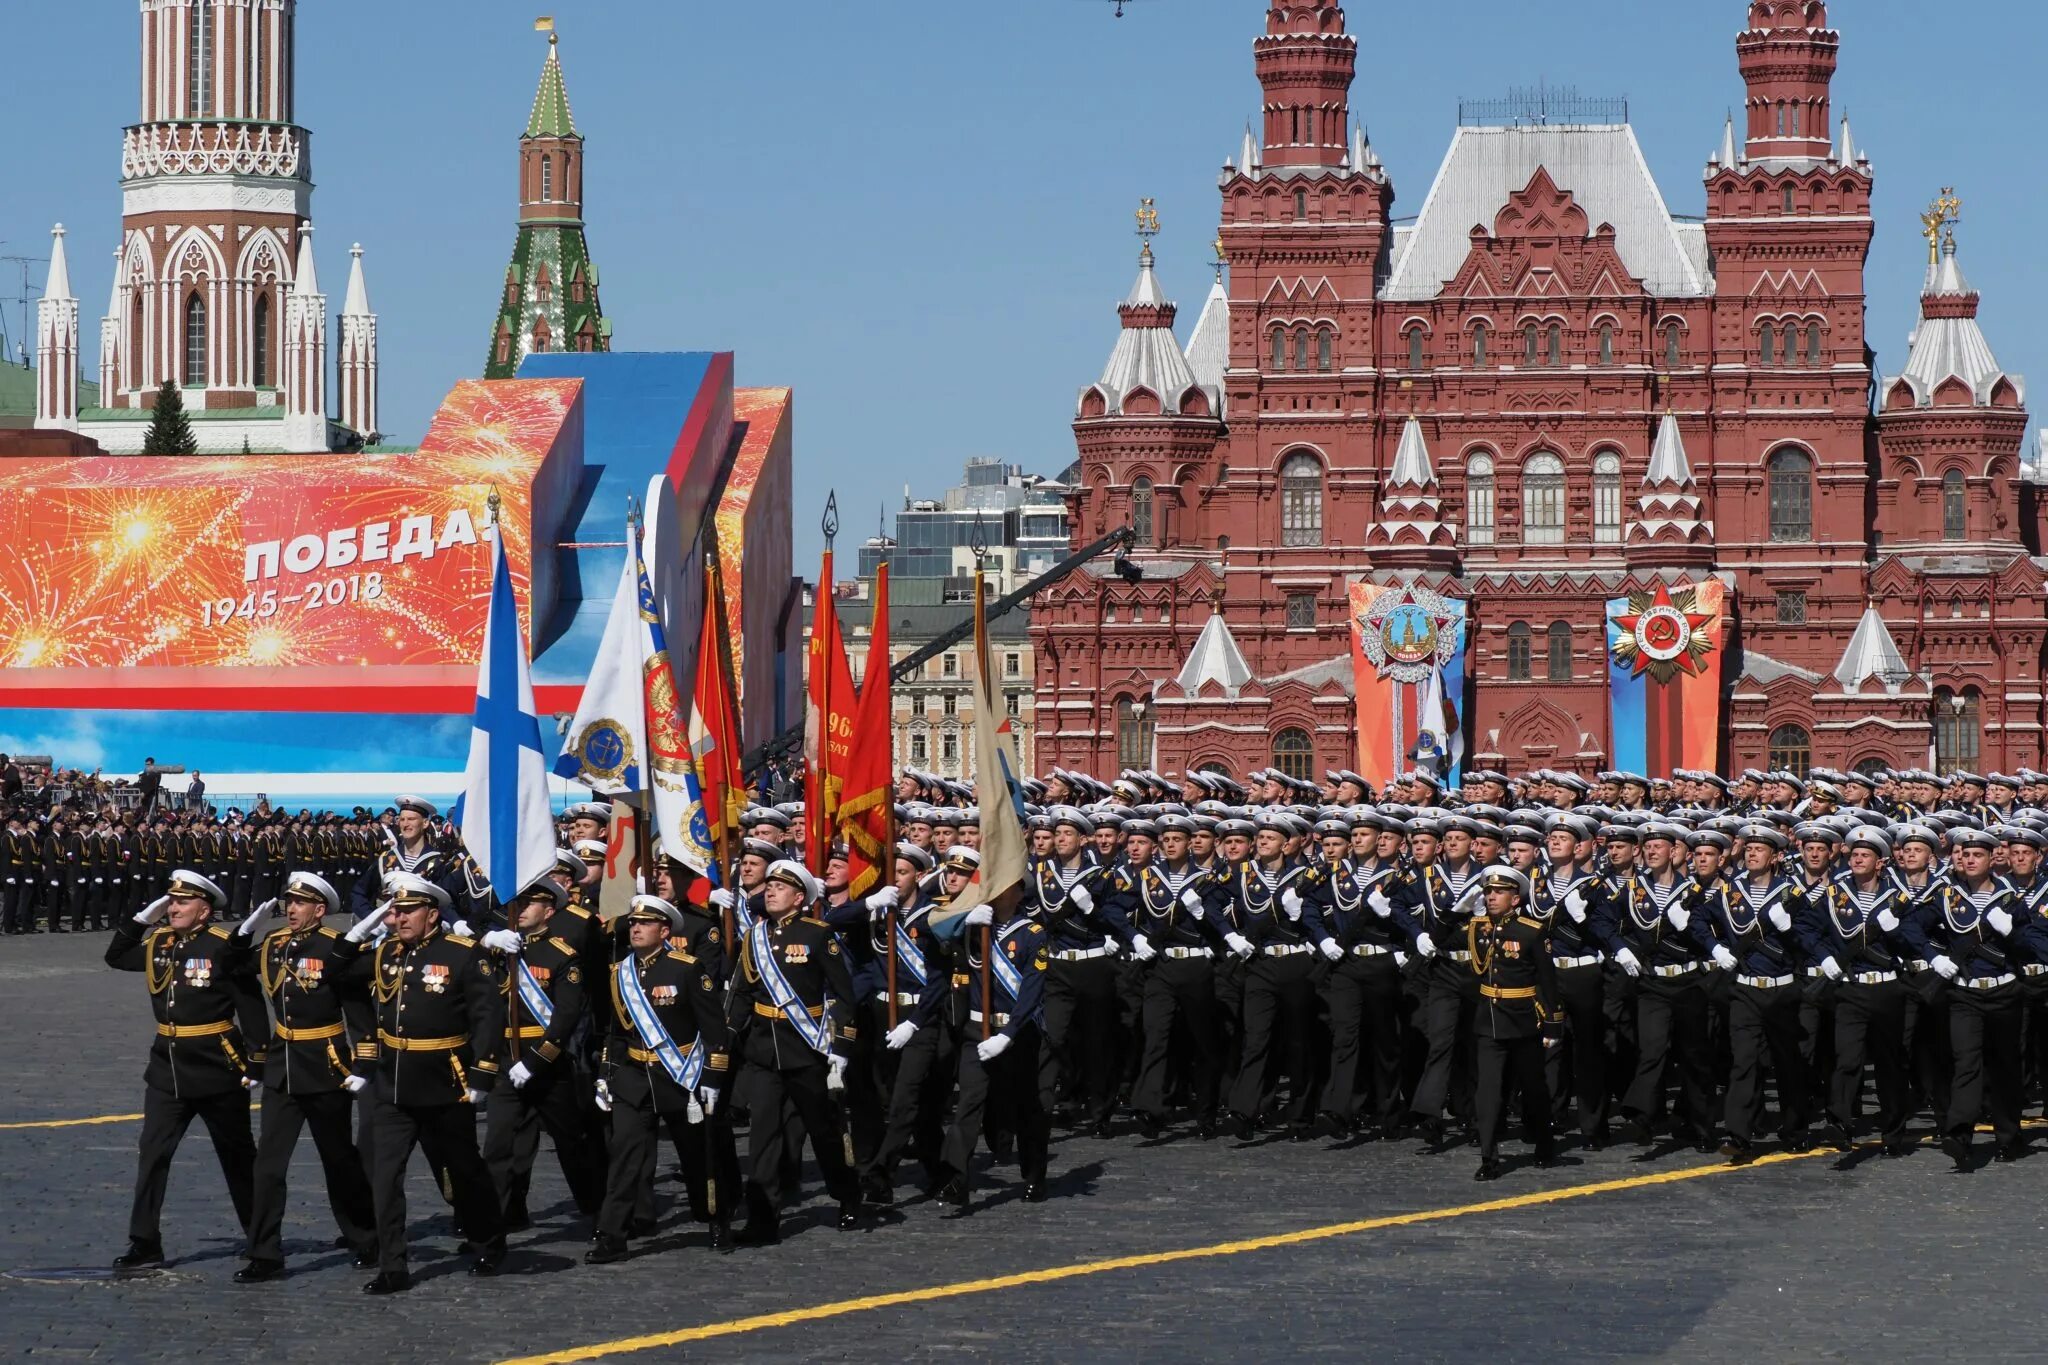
column 434, row 977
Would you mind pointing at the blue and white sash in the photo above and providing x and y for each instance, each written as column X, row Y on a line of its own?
column 812, row 1031
column 910, row 955
column 684, row 1068
column 533, row 997
column 999, row 962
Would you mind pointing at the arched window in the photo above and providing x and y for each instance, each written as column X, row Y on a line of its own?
column 1530, row 343
column 1479, row 500
column 1301, row 349
column 260, row 350
column 1279, row 348
column 547, row 179
column 1607, row 497
column 1133, row 733
column 1606, row 343
column 1518, row 652
column 1790, row 350
column 1326, row 344
column 1543, row 500
column 1958, row 728
column 1781, row 120
column 1479, row 343
column 1141, row 511
column 199, row 78
column 1788, row 199
column 1673, row 344
column 1294, row 753
column 1301, row 204
column 1554, row 347
column 1558, row 652
column 1789, row 749
column 1767, row 345
column 1790, row 477
column 1301, row 500
column 195, row 342
column 1414, row 348
column 1813, row 343
column 1954, row 518
column 544, row 286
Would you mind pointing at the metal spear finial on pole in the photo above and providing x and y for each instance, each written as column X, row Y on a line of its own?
column 829, row 523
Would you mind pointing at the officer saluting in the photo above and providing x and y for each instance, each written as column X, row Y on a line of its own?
column 308, row 1080
column 202, row 991
column 440, row 1023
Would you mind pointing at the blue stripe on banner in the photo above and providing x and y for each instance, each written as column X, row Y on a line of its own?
column 1454, row 695
column 1626, row 700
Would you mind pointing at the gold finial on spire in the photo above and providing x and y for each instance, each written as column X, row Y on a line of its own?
column 1148, row 220
column 1222, row 258
column 1939, row 223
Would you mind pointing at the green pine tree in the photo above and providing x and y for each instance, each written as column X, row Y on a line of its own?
column 170, row 431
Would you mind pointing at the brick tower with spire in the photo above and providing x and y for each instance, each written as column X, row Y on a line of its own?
column 550, row 301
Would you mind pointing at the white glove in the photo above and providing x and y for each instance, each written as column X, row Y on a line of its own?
column 154, row 911
column 835, row 1075
column 899, row 1037
column 979, row 915
column 256, row 917
column 1575, row 905
column 1780, row 921
column 1381, row 906
column 2001, row 923
column 250, row 1083
column 519, row 1075
column 1290, row 901
column 1192, row 899
column 1239, row 944
column 1425, row 946
column 1142, row 950
column 367, row 925
column 505, row 941
column 604, row 1096
column 1080, row 897
column 885, row 899
column 992, row 1047
column 1831, row 969
column 1400, row 958
column 478, row 1098
column 461, row 929
column 1109, row 943
column 1628, row 960
column 354, row 1084
column 1887, row 921
column 1943, row 967
column 1331, row 950
column 707, row 1099
column 1723, row 959
column 722, row 898
column 1679, row 916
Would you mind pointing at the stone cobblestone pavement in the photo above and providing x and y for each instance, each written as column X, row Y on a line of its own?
column 1800, row 1260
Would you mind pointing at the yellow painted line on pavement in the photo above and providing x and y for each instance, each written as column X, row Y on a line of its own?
column 74, row 1123
column 1053, row 1274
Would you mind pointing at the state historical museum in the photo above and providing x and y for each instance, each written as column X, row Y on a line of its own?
column 1541, row 393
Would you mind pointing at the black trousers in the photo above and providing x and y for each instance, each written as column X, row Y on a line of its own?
column 1364, row 999
column 348, row 1189
column 447, row 1134
column 1005, row 1093
column 1763, row 1025
column 1497, row 1062
column 1984, row 1031
column 1928, row 1055
column 770, row 1143
column 1671, row 1029
column 1279, row 1005
column 16, row 914
column 78, row 893
column 1582, row 995
column 1179, row 1018
column 1870, row 1027
column 1082, row 1057
column 915, row 1118
column 1448, row 1005
column 512, row 1128
column 165, row 1117
column 704, row 1149
column 1817, row 1034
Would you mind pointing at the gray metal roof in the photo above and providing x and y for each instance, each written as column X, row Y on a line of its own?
column 1946, row 348
column 1208, row 352
column 1215, row 658
column 1145, row 357
column 1764, row 669
column 1601, row 165
column 1412, row 468
column 1872, row 653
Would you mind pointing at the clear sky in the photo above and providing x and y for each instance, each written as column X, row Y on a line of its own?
column 918, row 212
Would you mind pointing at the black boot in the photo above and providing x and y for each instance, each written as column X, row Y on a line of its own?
column 1489, row 1169
column 721, row 1236
column 606, row 1251
column 140, row 1256
column 1956, row 1147
column 389, row 1282
column 489, row 1258
column 259, row 1272
column 954, row 1197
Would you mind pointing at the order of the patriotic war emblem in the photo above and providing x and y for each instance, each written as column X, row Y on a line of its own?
column 1663, row 634
column 1409, row 634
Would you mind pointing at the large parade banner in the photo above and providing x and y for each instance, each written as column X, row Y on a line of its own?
column 1664, row 651
column 1408, row 659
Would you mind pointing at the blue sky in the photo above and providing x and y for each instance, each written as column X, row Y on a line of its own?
column 919, row 214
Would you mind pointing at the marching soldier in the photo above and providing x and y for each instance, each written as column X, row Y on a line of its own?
column 1570, row 901
column 1756, row 927
column 915, row 1045
column 1431, row 906
column 308, row 1078
column 440, row 1024
column 1275, row 897
column 1854, row 933
column 1176, row 939
column 1661, row 941
column 1512, row 963
column 1067, row 894
column 664, row 1062
column 1005, row 984
column 1363, row 989
column 202, row 992
column 1966, row 932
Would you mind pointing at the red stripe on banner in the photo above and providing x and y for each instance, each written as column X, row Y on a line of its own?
column 361, row 691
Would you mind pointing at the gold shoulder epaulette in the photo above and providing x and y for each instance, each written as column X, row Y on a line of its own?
column 562, row 943
column 461, row 942
column 326, row 932
column 218, row 932
column 1532, row 923
column 679, row 955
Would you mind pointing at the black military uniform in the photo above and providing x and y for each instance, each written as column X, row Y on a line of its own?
column 1082, row 1057
column 1429, row 902
column 1363, row 993
column 202, row 992
column 20, row 869
column 307, row 1079
column 1971, row 934
column 641, row 1091
column 1276, row 910
column 999, row 1054
column 1510, row 958
column 440, row 1024
column 1169, row 909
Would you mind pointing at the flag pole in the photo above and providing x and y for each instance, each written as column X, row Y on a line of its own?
column 491, row 504
column 721, row 837
column 988, row 932
column 643, row 844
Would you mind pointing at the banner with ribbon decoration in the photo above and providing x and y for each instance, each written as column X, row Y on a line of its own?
column 1408, row 657
column 1664, row 652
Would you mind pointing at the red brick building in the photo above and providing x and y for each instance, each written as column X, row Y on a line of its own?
column 1544, row 391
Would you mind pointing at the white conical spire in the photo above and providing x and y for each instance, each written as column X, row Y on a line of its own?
column 1361, row 150
column 305, row 280
column 1872, row 653
column 305, row 355
column 1412, row 467
column 1215, row 658
column 1728, row 143
column 59, row 285
column 1146, row 291
column 1411, row 512
column 1208, row 350
column 57, row 344
column 357, row 304
column 1848, row 154
column 1248, row 156
column 1667, row 503
column 1669, row 465
column 114, row 295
